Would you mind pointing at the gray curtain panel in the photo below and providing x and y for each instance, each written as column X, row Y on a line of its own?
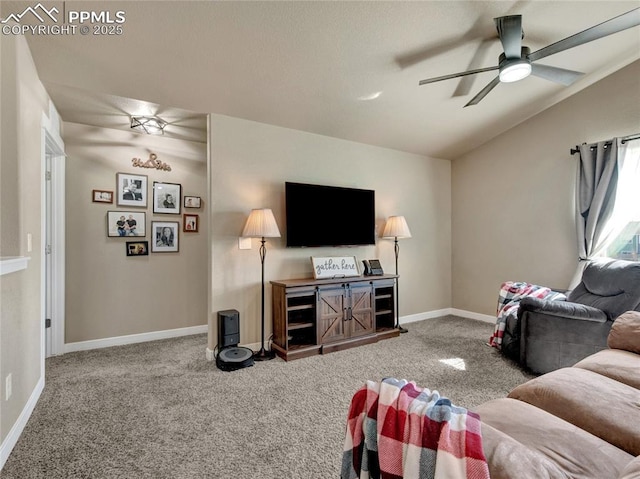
column 597, row 180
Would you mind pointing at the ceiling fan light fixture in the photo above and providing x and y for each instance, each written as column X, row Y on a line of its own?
column 515, row 71
column 151, row 125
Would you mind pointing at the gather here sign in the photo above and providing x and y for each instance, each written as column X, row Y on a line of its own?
column 334, row 266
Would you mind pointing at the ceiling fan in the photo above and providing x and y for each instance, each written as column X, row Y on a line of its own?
column 517, row 61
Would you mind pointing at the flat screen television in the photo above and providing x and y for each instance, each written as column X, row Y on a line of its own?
column 320, row 215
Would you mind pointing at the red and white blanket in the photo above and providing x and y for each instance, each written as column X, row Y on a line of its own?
column 511, row 293
column 396, row 430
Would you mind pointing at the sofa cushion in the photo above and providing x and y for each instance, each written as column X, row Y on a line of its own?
column 625, row 332
column 522, row 441
column 632, row 471
column 622, row 366
column 600, row 405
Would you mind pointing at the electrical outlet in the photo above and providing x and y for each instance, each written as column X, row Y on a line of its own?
column 7, row 387
column 244, row 243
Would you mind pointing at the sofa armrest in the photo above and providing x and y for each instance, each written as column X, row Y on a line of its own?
column 625, row 332
column 561, row 309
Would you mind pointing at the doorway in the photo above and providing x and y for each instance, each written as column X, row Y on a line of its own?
column 53, row 226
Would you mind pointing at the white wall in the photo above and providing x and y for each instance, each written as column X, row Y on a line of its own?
column 513, row 198
column 250, row 163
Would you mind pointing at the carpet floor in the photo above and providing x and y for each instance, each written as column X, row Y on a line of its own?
column 160, row 410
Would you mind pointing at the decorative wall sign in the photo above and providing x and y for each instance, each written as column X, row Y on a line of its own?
column 334, row 267
column 152, row 162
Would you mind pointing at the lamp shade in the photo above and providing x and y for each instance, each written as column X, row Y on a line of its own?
column 261, row 224
column 396, row 227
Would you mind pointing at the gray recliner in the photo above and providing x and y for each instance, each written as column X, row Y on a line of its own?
column 557, row 334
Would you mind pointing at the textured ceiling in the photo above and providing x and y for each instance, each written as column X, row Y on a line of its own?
column 338, row 68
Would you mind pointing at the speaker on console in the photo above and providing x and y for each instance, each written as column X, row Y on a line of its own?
column 228, row 328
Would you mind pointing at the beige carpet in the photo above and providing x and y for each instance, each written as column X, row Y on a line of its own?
column 160, row 410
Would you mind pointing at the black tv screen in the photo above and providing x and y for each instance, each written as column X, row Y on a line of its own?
column 329, row 215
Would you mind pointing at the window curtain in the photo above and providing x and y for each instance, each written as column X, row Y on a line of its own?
column 597, row 180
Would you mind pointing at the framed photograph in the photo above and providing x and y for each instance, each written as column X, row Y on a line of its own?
column 192, row 202
column 164, row 236
column 166, row 198
column 190, row 223
column 102, row 196
column 334, row 266
column 131, row 190
column 126, row 223
column 137, row 248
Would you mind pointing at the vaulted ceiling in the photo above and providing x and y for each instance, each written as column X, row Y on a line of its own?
column 338, row 68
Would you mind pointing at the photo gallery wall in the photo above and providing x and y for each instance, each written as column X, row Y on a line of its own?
column 130, row 222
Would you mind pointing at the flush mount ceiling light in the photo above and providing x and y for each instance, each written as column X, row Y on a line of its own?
column 151, row 125
column 514, row 70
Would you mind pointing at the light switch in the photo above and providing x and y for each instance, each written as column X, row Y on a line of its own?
column 29, row 243
column 244, row 243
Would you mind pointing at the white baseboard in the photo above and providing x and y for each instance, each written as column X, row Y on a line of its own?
column 134, row 338
column 471, row 315
column 12, row 438
column 444, row 312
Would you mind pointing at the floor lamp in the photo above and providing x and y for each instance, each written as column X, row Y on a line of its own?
column 261, row 224
column 395, row 228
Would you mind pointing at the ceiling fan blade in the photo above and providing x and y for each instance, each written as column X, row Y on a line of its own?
column 555, row 74
column 484, row 92
column 456, row 75
column 609, row 27
column 510, row 33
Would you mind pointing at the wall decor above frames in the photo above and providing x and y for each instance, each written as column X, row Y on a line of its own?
column 131, row 190
column 152, row 162
column 126, row 224
column 166, row 197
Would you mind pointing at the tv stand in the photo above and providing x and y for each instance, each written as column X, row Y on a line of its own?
column 320, row 316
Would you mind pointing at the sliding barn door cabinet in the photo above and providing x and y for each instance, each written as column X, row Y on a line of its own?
column 320, row 316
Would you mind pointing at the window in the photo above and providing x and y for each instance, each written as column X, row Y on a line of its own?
column 625, row 222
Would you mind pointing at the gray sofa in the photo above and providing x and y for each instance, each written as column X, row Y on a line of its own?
column 576, row 422
column 557, row 334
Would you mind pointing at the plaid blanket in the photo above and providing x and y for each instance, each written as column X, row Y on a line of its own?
column 511, row 293
column 398, row 430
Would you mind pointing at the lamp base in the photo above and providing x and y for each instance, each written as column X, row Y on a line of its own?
column 263, row 355
column 402, row 330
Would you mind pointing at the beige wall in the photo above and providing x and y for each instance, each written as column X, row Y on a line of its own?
column 513, row 198
column 24, row 101
column 107, row 293
column 250, row 163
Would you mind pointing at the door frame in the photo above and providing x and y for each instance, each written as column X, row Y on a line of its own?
column 53, row 146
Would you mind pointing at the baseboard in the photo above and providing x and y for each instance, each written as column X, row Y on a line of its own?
column 471, row 315
column 134, row 338
column 445, row 312
column 12, row 438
